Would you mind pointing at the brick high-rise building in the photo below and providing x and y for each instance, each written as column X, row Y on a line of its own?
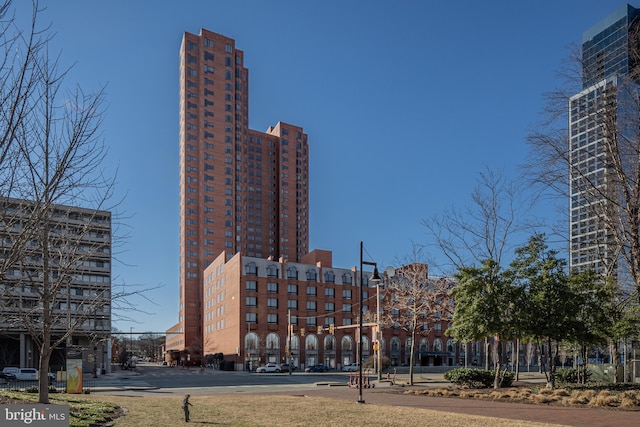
column 241, row 190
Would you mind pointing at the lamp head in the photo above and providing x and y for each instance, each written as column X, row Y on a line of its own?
column 376, row 276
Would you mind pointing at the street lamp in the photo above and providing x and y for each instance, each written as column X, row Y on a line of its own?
column 375, row 278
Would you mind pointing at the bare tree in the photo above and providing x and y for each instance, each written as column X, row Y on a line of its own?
column 482, row 230
column 51, row 159
column 412, row 301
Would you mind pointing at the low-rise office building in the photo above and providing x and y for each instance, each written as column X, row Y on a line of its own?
column 77, row 289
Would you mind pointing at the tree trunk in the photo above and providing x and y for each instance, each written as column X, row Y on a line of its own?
column 43, row 370
column 551, row 379
column 517, row 360
column 413, row 344
column 497, row 380
column 486, row 353
column 615, row 350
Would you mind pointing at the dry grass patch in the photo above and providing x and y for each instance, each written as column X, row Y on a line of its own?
column 285, row 411
column 605, row 398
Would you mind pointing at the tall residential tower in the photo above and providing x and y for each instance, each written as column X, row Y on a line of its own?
column 241, row 190
column 599, row 128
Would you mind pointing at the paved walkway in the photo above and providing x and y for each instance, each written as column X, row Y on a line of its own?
column 567, row 416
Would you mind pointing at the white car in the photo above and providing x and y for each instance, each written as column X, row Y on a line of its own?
column 269, row 367
column 27, row 374
column 351, row 367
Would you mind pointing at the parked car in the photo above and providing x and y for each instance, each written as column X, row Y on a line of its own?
column 285, row 367
column 6, row 377
column 27, row 374
column 351, row 367
column 269, row 367
column 317, row 368
column 10, row 370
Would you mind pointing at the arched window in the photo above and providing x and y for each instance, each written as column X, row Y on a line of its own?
column 273, row 341
column 251, row 342
column 450, row 346
column 295, row 342
column 292, row 273
column 424, row 345
column 347, row 279
column 347, row 343
column 437, row 345
column 329, row 277
column 365, row 344
column 251, row 269
column 330, row 343
column 272, row 271
column 395, row 344
column 312, row 275
column 311, row 343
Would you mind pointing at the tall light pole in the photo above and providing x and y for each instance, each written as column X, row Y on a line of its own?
column 378, row 332
column 375, row 278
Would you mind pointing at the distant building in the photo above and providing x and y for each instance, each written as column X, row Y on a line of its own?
column 80, row 246
column 241, row 190
column 608, row 67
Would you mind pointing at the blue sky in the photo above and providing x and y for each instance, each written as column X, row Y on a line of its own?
column 404, row 102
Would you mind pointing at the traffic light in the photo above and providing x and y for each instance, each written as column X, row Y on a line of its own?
column 320, row 329
column 332, row 328
column 301, row 332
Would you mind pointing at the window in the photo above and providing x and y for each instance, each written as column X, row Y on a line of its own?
column 329, row 293
column 329, row 277
column 437, row 327
column 272, row 302
column 312, row 291
column 346, row 294
column 311, row 306
column 251, row 269
column 272, row 287
column 252, row 285
column 329, row 321
column 346, row 308
column 312, row 275
column 311, row 321
column 346, row 279
column 292, row 304
column 272, row 319
column 292, row 273
column 329, row 307
column 292, row 289
column 252, row 301
column 228, row 48
column 272, row 271
column 252, row 318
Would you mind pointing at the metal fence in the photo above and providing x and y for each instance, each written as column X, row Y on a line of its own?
column 60, row 386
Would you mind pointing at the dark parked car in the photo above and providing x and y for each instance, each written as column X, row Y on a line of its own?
column 317, row 368
column 5, row 377
column 285, row 367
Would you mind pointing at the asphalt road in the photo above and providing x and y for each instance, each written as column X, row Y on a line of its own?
column 151, row 379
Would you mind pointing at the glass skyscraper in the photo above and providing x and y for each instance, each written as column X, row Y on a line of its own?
column 597, row 122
